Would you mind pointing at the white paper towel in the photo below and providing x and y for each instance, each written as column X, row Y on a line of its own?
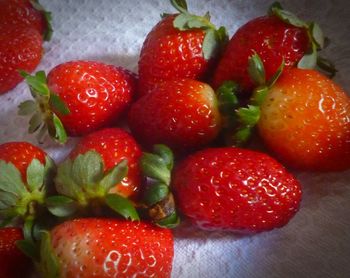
column 316, row 243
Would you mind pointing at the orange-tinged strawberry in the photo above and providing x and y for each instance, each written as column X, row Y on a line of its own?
column 305, row 121
column 101, row 248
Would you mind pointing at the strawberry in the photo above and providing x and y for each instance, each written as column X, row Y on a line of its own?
column 179, row 46
column 20, row 48
column 305, row 121
column 25, row 176
column 13, row 261
column 78, row 97
column 235, row 189
column 278, row 37
column 114, row 145
column 106, row 248
column 102, row 170
column 181, row 114
column 26, row 13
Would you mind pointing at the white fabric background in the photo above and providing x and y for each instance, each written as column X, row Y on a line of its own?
column 316, row 243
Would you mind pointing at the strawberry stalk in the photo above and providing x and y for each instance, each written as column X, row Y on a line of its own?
column 240, row 120
column 214, row 39
column 83, row 185
column 158, row 201
column 316, row 38
column 43, row 119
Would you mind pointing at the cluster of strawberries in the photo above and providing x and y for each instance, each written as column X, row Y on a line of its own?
column 196, row 92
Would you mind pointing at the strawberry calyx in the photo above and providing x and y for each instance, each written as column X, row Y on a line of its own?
column 18, row 198
column 48, row 19
column 84, row 185
column 41, row 108
column 158, row 201
column 240, row 120
column 214, row 39
column 316, row 37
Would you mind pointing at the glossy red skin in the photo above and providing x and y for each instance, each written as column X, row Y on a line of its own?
column 13, row 261
column 235, row 189
column 305, row 121
column 114, row 145
column 112, row 248
column 21, row 154
column 95, row 93
column 168, row 53
column 271, row 39
column 20, row 48
column 21, row 13
column 176, row 114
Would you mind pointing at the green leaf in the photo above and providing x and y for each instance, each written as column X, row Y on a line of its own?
column 115, row 175
column 276, row 75
column 196, row 22
column 273, row 6
column 154, row 193
column 49, row 265
column 27, row 107
column 7, row 199
column 256, row 69
column 154, row 166
column 58, row 105
column 35, row 122
column 169, row 222
column 210, row 44
column 122, row 206
column 249, row 115
column 180, row 21
column 28, row 248
column 286, row 16
column 309, row 60
column 35, row 175
column 222, row 36
column 327, row 66
column 60, row 133
column 64, row 182
column 37, row 83
column 259, row 95
column 179, row 5
column 61, row 206
column 87, row 169
column 166, row 154
column 48, row 18
column 11, row 180
column 317, row 35
column 242, row 135
column 228, row 100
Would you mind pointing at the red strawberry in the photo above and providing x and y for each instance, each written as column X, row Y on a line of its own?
column 102, row 170
column 26, row 13
column 114, row 145
column 83, row 96
column 305, row 121
column 276, row 37
column 235, row 189
column 107, row 248
column 20, row 48
column 13, row 261
column 182, row 114
column 25, row 172
column 179, row 46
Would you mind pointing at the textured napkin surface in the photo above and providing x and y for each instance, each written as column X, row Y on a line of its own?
column 316, row 243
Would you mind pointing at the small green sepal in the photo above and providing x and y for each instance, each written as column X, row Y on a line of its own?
column 170, row 222
column 122, row 206
column 48, row 18
column 61, row 206
column 49, row 265
column 256, row 69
